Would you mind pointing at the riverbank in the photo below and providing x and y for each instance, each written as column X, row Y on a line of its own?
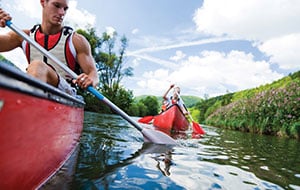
column 273, row 112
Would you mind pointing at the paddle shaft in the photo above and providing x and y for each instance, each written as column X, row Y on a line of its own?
column 196, row 127
column 149, row 135
column 185, row 107
column 114, row 107
column 74, row 75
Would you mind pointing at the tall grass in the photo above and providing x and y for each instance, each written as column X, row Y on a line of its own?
column 275, row 111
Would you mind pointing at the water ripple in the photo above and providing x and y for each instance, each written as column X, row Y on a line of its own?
column 113, row 156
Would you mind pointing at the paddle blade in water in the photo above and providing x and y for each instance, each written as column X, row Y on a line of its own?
column 146, row 119
column 157, row 137
column 198, row 129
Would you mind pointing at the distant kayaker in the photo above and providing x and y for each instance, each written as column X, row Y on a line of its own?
column 68, row 46
column 174, row 99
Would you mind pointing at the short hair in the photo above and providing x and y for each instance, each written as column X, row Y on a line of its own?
column 177, row 89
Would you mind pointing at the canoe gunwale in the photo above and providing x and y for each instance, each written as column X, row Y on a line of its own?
column 13, row 79
column 173, row 106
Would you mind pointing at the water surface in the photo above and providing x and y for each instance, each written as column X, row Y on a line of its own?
column 113, row 156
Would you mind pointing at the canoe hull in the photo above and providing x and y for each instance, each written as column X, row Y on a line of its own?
column 171, row 120
column 37, row 134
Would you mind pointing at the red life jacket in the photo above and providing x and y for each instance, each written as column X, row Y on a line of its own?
column 60, row 45
column 174, row 101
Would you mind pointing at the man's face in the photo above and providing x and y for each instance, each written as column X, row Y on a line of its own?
column 176, row 90
column 55, row 10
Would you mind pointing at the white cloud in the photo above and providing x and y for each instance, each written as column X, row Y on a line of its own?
column 173, row 45
column 31, row 8
column 284, row 50
column 212, row 73
column 135, row 62
column 179, row 55
column 167, row 64
column 269, row 23
column 158, row 74
column 79, row 18
column 110, row 31
column 75, row 17
column 254, row 20
column 155, row 82
column 135, row 31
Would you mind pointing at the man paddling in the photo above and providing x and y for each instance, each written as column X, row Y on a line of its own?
column 174, row 99
column 70, row 47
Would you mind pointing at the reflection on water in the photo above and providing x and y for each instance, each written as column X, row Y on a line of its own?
column 113, row 156
column 167, row 162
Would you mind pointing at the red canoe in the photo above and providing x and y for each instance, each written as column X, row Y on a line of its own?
column 39, row 132
column 171, row 120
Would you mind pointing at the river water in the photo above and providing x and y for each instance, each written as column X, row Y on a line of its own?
column 113, row 156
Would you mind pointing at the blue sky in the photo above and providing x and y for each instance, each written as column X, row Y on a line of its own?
column 206, row 47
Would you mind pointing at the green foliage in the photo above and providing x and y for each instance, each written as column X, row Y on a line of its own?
column 120, row 96
column 271, row 109
column 109, row 53
column 194, row 113
column 151, row 104
column 144, row 106
column 134, row 110
column 92, row 38
column 109, row 63
column 189, row 101
column 143, row 110
column 210, row 105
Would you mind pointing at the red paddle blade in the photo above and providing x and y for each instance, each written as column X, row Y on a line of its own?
column 146, row 119
column 198, row 129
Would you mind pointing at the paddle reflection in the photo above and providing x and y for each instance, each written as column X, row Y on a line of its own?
column 166, row 159
column 160, row 152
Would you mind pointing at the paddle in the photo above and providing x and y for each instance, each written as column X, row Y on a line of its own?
column 149, row 135
column 196, row 127
column 146, row 119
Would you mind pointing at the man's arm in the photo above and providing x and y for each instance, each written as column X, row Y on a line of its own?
column 182, row 106
column 86, row 62
column 10, row 41
column 167, row 92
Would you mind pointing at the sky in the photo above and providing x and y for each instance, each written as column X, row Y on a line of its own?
column 207, row 47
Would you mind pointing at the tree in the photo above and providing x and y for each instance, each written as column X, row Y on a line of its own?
column 120, row 96
column 152, row 105
column 110, row 65
column 91, row 36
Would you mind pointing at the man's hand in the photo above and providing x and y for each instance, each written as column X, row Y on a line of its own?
column 84, row 81
column 4, row 16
